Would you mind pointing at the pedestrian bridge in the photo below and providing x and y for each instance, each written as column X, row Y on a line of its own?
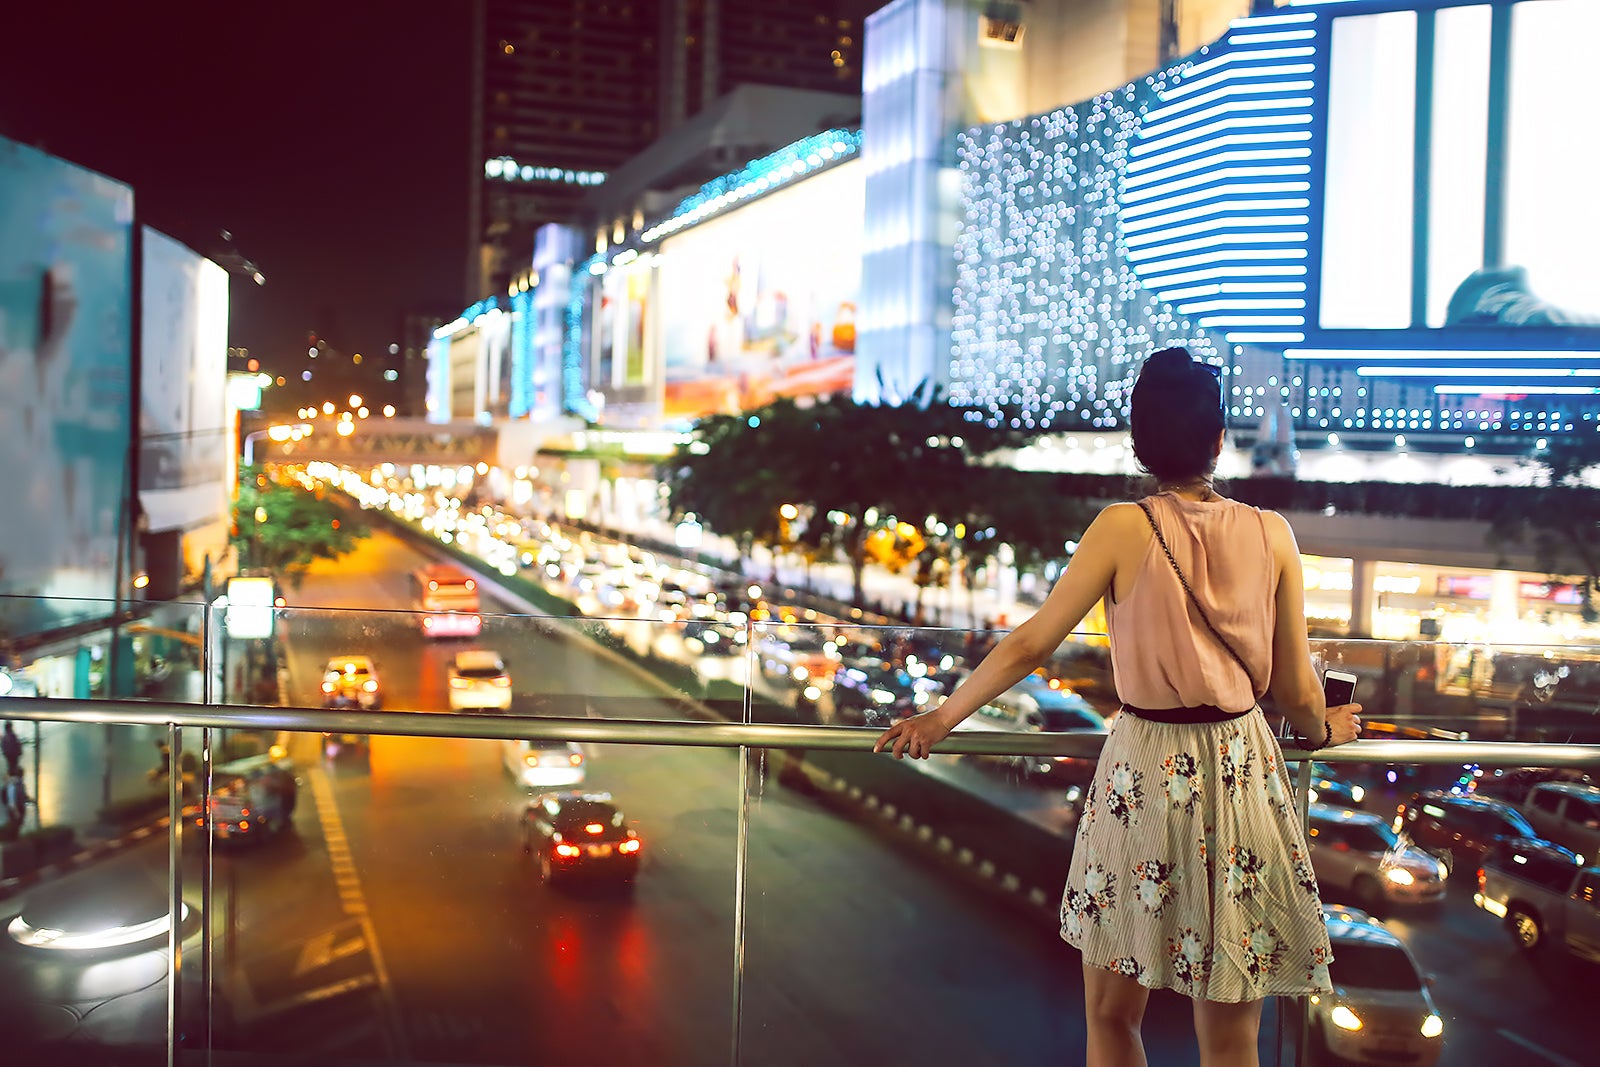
column 402, row 442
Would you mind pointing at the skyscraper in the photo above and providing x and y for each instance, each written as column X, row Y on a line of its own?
column 566, row 90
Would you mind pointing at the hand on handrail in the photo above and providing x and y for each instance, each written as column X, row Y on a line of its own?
column 914, row 736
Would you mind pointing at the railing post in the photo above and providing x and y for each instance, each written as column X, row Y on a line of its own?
column 1302, row 800
column 175, row 887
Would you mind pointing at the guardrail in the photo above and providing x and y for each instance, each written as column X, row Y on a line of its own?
column 727, row 735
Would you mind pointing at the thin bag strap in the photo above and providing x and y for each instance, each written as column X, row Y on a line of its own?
column 1144, row 507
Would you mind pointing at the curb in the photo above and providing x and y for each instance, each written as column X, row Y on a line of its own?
column 1037, row 902
column 83, row 857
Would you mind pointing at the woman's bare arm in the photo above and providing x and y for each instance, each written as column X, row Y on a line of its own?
column 1088, row 576
column 1294, row 684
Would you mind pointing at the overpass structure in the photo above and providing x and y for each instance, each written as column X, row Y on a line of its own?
column 403, row 442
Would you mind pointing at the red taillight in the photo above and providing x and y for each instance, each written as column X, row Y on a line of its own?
column 631, row 845
column 471, row 584
column 568, row 850
column 1482, row 881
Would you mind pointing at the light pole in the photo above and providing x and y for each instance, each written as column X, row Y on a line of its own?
column 278, row 433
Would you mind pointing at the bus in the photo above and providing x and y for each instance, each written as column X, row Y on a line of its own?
column 445, row 598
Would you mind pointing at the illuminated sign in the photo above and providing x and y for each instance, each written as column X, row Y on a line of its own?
column 250, row 612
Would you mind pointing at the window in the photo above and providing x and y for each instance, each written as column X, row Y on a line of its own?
column 1373, row 967
column 1547, row 800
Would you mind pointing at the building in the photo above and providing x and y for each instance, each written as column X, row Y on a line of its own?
column 564, row 91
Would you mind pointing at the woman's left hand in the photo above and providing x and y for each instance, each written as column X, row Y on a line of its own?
column 915, row 736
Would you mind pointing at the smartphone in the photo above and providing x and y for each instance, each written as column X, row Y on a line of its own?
column 1338, row 688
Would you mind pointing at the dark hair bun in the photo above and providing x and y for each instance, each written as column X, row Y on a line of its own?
column 1175, row 416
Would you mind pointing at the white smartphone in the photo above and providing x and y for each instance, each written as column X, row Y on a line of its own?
column 1338, row 688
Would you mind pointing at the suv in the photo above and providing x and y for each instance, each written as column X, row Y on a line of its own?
column 1458, row 830
column 1568, row 814
column 1380, row 1010
column 1545, row 896
column 1356, row 853
column 351, row 682
column 478, row 679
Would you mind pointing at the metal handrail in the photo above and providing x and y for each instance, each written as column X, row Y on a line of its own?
column 723, row 734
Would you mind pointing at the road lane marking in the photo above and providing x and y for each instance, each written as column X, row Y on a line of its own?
column 1538, row 1050
column 355, row 905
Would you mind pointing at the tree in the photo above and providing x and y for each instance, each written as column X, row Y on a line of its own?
column 1562, row 522
column 284, row 529
column 852, row 466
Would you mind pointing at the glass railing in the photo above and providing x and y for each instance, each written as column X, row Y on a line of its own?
column 373, row 859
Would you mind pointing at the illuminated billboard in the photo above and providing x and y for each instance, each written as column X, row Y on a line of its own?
column 759, row 302
column 185, row 439
column 1378, row 215
column 65, row 323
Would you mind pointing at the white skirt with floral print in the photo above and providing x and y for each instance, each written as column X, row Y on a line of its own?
column 1190, row 870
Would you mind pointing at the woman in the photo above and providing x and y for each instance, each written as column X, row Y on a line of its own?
column 1190, row 869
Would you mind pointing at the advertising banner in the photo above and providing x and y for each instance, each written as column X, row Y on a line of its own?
column 64, row 379
column 760, row 302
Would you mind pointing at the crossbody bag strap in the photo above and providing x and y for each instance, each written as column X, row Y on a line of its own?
column 1144, row 507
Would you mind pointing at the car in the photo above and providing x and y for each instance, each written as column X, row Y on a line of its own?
column 1358, row 855
column 1380, row 1010
column 1458, row 830
column 543, row 764
column 1513, row 784
column 351, row 682
column 579, row 834
column 1328, row 786
column 251, row 799
column 478, row 680
column 1567, row 813
column 1063, row 714
column 1544, row 894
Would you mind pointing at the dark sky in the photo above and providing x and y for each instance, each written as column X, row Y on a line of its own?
column 330, row 138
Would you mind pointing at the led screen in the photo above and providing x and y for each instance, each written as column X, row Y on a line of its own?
column 760, row 302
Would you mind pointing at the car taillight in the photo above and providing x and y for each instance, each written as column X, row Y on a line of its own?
column 631, row 845
column 532, row 759
column 460, row 683
column 575, row 759
column 1482, row 886
column 370, row 686
column 503, row 682
column 568, row 850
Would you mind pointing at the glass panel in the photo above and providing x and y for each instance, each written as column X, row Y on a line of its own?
column 419, row 904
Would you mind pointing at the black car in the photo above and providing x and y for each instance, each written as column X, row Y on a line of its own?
column 1459, row 830
column 580, row 835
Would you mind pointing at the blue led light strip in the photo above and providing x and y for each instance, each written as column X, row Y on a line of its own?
column 1214, row 154
column 787, row 164
column 574, row 397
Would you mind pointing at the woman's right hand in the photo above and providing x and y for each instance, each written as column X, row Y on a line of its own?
column 1344, row 723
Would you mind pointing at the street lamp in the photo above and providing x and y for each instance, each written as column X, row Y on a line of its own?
column 277, row 433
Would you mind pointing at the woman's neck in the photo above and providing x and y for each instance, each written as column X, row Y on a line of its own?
column 1196, row 490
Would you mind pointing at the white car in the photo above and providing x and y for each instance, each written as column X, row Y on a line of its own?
column 544, row 764
column 478, row 679
column 1357, row 856
column 1380, row 1010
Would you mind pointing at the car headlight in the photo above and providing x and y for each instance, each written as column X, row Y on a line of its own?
column 1357, row 793
column 1432, row 1026
column 1344, row 1018
column 1311, row 795
column 882, row 696
column 1399, row 876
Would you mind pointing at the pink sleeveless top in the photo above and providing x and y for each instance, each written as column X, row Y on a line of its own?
column 1164, row 656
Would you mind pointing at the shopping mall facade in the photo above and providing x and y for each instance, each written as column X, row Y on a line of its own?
column 1364, row 211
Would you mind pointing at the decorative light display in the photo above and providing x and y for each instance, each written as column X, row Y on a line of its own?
column 522, row 327
column 1051, row 319
column 508, row 169
column 1185, row 208
column 787, row 164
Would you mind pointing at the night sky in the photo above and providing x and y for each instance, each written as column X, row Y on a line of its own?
column 330, row 138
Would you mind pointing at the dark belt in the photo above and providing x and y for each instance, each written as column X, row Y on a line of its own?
column 1181, row 716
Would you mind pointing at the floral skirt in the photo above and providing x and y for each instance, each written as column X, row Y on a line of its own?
column 1190, row 870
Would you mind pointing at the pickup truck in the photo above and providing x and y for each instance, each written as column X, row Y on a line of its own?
column 1544, row 895
column 1567, row 813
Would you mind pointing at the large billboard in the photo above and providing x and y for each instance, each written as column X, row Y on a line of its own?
column 1377, row 215
column 184, row 432
column 760, row 302
column 64, row 380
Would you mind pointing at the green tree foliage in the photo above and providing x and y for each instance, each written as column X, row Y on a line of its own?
column 838, row 458
column 1561, row 524
column 284, row 529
